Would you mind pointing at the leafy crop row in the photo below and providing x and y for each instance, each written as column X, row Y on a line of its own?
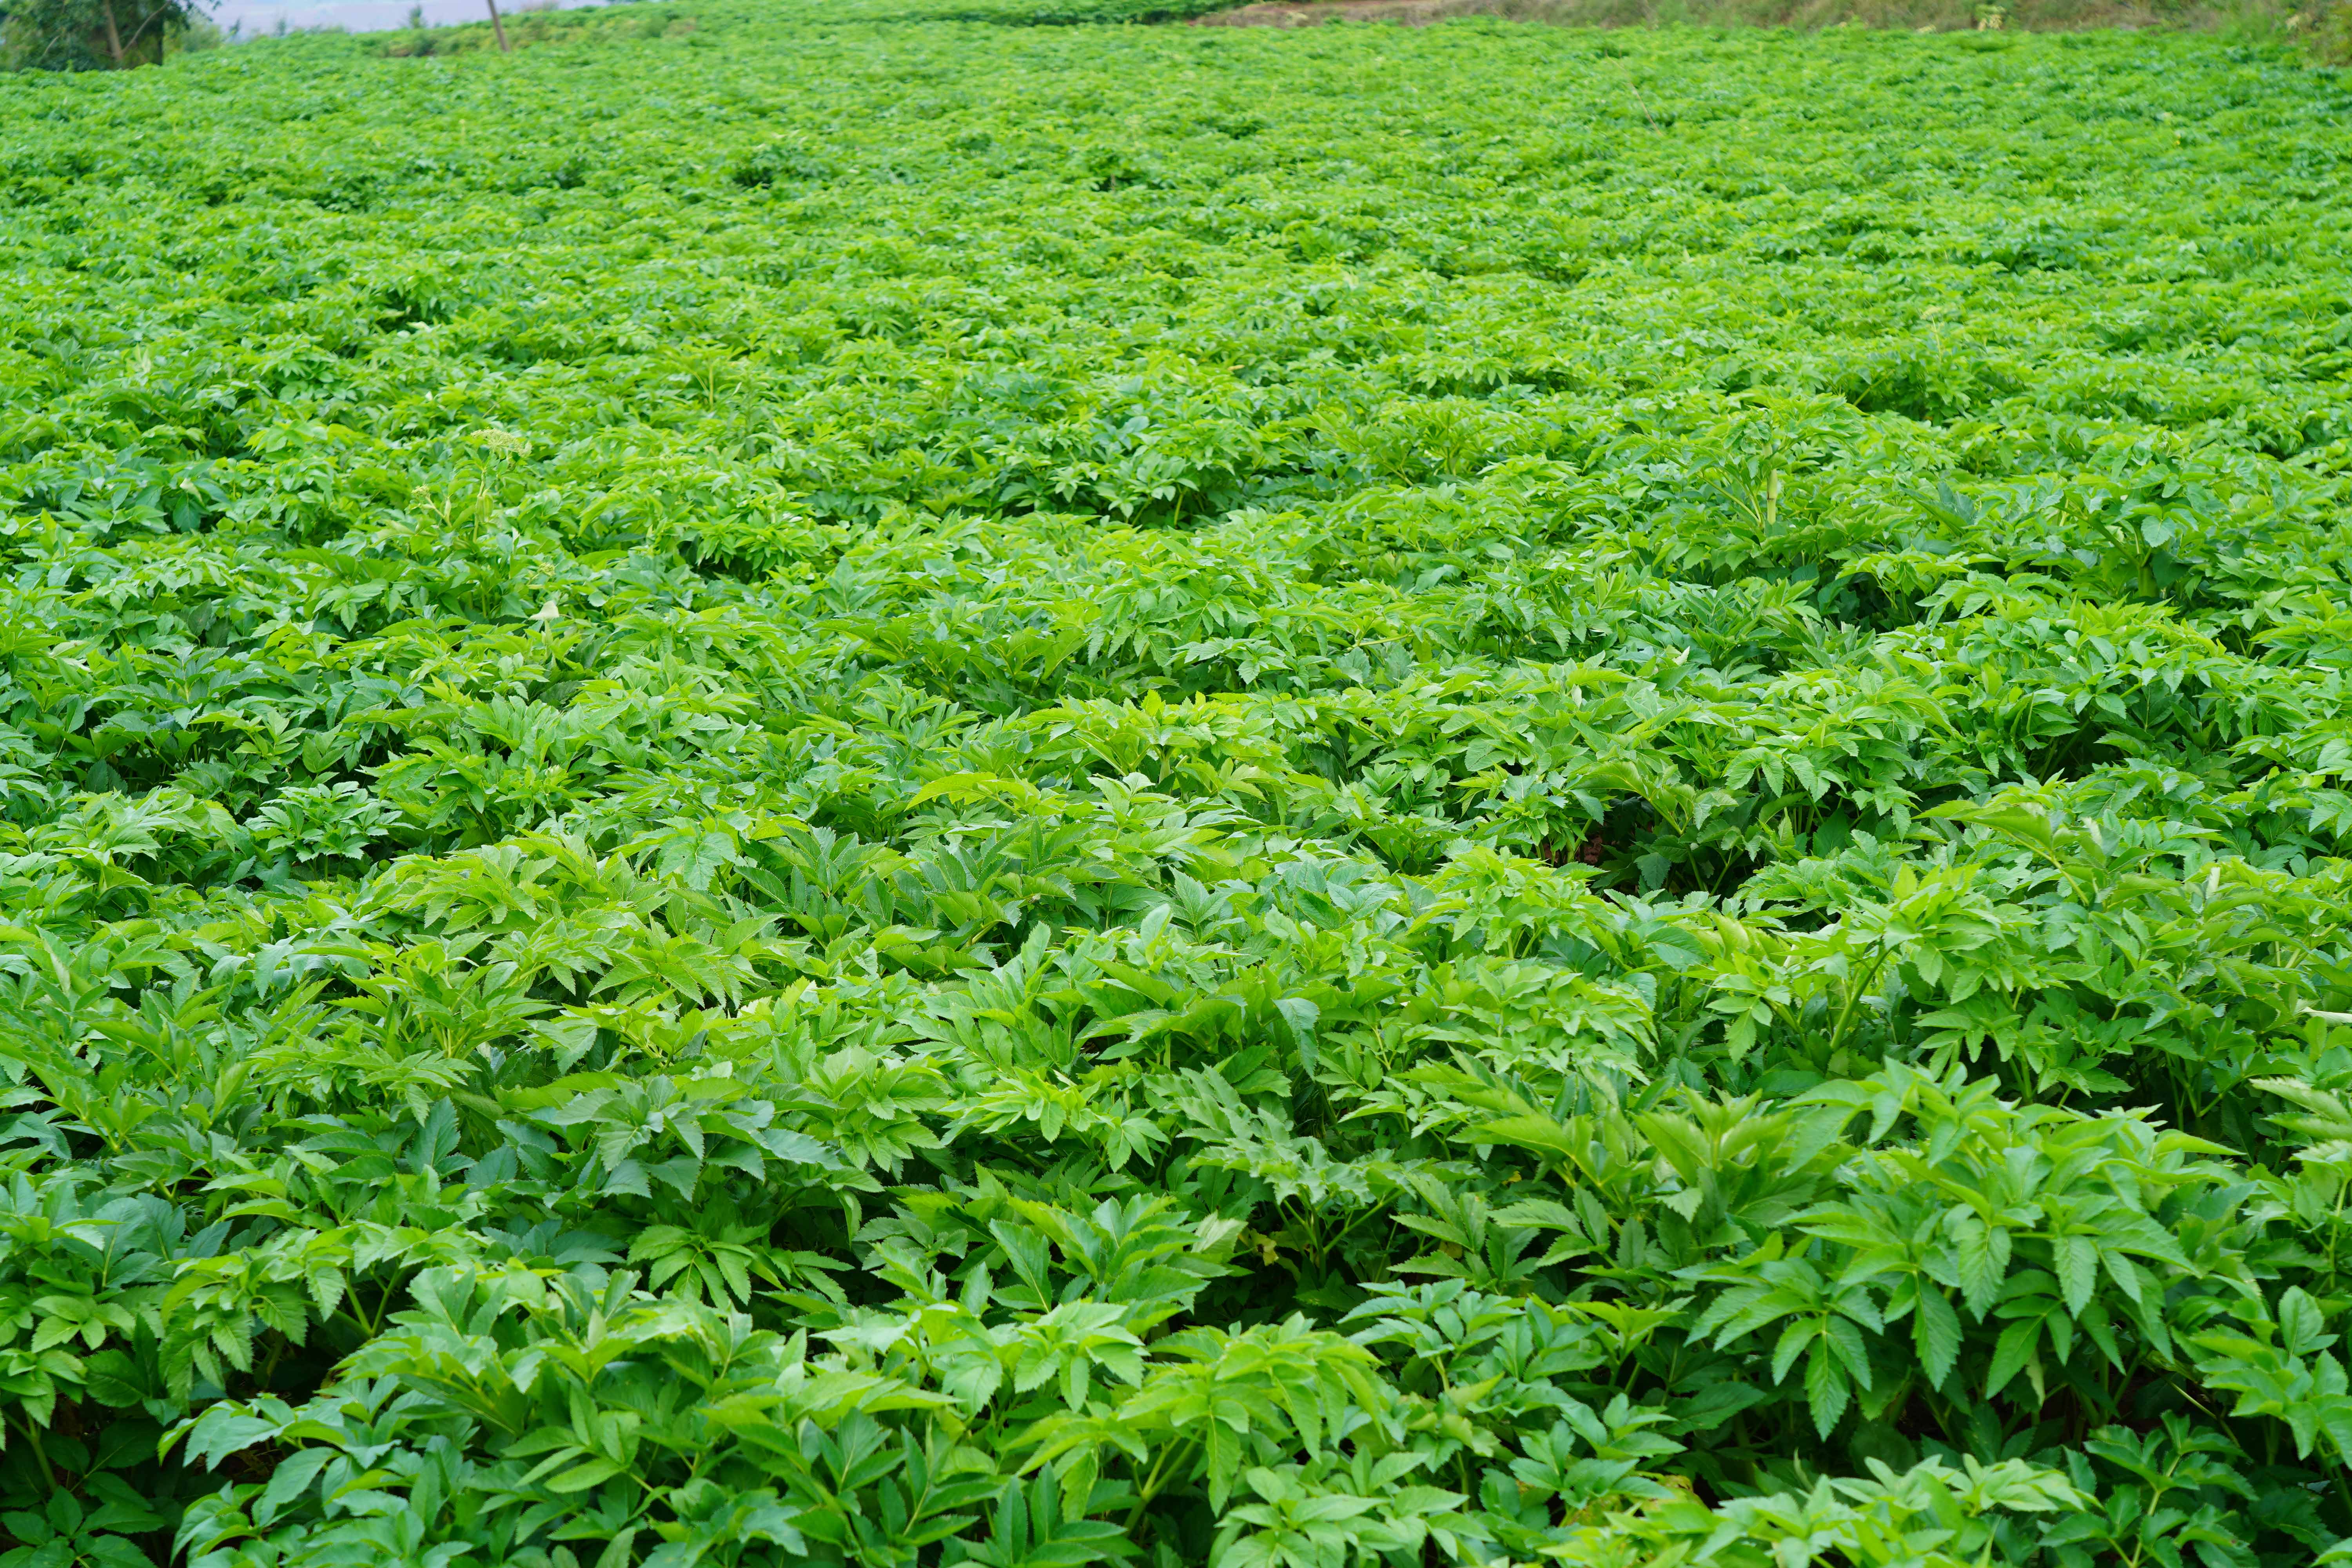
column 897, row 792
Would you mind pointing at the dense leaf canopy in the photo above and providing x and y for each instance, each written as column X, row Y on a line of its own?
column 91, row 35
column 906, row 791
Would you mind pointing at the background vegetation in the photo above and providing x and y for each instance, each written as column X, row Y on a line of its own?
column 2320, row 28
column 97, row 35
column 72, row 35
column 906, row 792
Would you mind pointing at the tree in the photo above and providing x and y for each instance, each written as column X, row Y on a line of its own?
column 91, row 34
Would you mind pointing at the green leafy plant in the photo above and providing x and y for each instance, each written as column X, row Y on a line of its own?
column 837, row 788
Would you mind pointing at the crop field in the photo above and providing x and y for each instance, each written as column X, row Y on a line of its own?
column 807, row 784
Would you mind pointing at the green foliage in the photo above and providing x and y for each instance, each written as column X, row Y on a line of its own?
column 887, row 792
column 1049, row 13
column 532, row 28
column 94, row 35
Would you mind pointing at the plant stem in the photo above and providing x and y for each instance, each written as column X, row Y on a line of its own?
column 1846, row 1012
column 1152, row 1483
column 40, row 1454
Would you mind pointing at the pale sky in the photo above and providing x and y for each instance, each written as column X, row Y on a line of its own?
column 358, row 16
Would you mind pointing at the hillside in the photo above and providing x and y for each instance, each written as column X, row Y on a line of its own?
column 790, row 784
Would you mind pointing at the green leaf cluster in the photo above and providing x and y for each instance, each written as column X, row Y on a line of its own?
column 872, row 790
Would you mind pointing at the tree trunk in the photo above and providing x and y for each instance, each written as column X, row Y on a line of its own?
column 496, row 25
column 114, row 35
